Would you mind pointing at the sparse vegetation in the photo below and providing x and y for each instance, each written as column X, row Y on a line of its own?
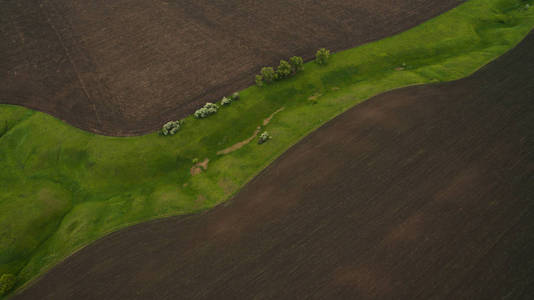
column 206, row 111
column 322, row 56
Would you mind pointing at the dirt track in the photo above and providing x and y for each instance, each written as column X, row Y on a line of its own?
column 420, row 193
column 125, row 67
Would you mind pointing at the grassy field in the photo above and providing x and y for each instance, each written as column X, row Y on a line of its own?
column 61, row 188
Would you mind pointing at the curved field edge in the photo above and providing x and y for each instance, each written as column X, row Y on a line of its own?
column 399, row 188
column 62, row 188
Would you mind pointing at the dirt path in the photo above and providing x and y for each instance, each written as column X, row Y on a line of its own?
column 197, row 168
column 239, row 145
column 424, row 192
column 125, row 67
column 268, row 119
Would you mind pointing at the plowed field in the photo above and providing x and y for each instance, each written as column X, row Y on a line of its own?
column 125, row 67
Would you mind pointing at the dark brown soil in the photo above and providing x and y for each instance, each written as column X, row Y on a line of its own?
column 125, row 67
column 421, row 193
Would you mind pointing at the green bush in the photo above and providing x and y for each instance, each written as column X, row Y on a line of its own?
column 297, row 63
column 235, row 96
column 259, row 80
column 322, row 55
column 284, row 70
column 7, row 283
column 264, row 137
column 226, row 101
column 170, row 128
column 268, row 74
column 206, row 111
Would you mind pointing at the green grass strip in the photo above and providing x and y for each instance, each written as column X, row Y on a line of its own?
column 62, row 188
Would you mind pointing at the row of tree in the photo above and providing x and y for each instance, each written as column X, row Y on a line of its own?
column 284, row 70
column 289, row 68
column 172, row 127
column 268, row 74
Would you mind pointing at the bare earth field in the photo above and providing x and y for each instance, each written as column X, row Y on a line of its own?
column 125, row 67
column 421, row 193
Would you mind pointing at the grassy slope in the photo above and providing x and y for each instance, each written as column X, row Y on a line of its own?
column 61, row 188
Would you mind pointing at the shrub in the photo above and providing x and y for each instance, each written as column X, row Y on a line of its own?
column 170, row 128
column 264, row 137
column 7, row 283
column 268, row 74
column 226, row 101
column 297, row 63
column 322, row 55
column 235, row 96
column 259, row 80
column 206, row 111
column 284, row 70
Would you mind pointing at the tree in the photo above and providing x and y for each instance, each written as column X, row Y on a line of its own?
column 206, row 111
column 264, row 137
column 284, row 70
column 235, row 96
column 268, row 74
column 322, row 55
column 226, row 101
column 7, row 283
column 170, row 128
column 296, row 63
